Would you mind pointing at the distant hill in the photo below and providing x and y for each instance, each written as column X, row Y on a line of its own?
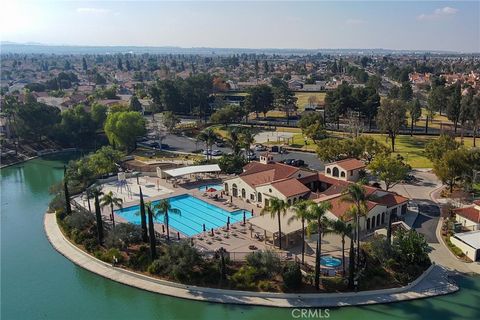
column 12, row 47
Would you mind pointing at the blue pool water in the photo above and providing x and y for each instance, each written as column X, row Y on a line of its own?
column 194, row 213
column 329, row 261
column 218, row 187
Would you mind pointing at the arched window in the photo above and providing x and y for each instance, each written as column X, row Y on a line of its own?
column 226, row 187
column 342, row 174
column 259, row 197
column 243, row 193
column 289, row 202
column 383, row 217
column 335, row 172
column 378, row 220
column 329, row 171
column 368, row 224
column 373, row 223
column 234, row 190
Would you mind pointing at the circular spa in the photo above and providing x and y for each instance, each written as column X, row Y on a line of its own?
column 329, row 261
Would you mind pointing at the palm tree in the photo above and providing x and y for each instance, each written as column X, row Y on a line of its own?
column 316, row 212
column 91, row 193
column 98, row 216
column 355, row 194
column 233, row 140
column 68, row 206
column 209, row 137
column 151, row 231
column 109, row 199
column 343, row 229
column 165, row 208
column 276, row 207
column 301, row 213
column 143, row 218
column 351, row 212
column 248, row 138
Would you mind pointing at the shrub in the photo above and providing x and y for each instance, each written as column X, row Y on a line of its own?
column 156, row 267
column 265, row 263
column 79, row 220
column 292, row 276
column 244, row 278
column 123, row 236
column 180, row 261
column 91, row 244
column 140, row 260
column 266, row 285
column 107, row 256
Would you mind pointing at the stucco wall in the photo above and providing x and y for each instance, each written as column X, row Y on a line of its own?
column 469, row 251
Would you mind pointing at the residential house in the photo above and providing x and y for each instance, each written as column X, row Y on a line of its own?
column 469, row 216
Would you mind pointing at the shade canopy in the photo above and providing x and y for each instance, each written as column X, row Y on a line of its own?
column 178, row 172
column 270, row 224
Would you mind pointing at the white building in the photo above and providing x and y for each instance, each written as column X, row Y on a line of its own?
column 469, row 217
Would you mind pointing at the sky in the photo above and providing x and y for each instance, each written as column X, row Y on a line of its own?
column 410, row 25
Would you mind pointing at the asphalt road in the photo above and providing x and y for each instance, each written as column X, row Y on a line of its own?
column 185, row 144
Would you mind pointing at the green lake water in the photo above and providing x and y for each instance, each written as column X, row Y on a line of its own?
column 39, row 283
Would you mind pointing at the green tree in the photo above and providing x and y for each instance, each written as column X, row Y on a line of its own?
column 228, row 114
column 260, row 99
column 435, row 148
column 312, row 125
column 104, row 161
column 123, row 128
column 436, row 102
column 163, row 207
column 276, row 208
column 301, row 213
column 110, row 200
column 143, row 218
column 209, row 137
column 36, row 120
column 343, row 229
column 391, row 118
column 284, row 99
column 406, row 92
column 390, row 170
column 415, row 111
column 99, row 114
column 454, row 104
column 451, row 167
column 247, row 138
column 231, row 163
column 135, row 104
column 98, row 216
column 317, row 212
column 151, row 231
column 170, row 120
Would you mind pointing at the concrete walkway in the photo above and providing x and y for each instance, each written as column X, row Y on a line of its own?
column 440, row 253
column 432, row 283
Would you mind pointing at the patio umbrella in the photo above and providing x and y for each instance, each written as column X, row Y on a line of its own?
column 178, row 235
column 211, row 190
column 228, row 225
column 212, row 233
column 228, row 220
column 244, row 218
column 204, row 229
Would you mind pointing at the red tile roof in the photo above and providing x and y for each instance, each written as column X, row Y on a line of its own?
column 290, row 187
column 256, row 173
column 349, row 164
column 477, row 202
column 469, row 213
column 390, row 200
column 340, row 207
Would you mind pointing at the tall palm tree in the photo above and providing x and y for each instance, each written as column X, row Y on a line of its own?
column 109, row 199
column 350, row 213
column 278, row 208
column 91, row 192
column 98, row 216
column 343, row 229
column 356, row 195
column 316, row 212
column 165, row 208
column 143, row 218
column 248, row 138
column 209, row 137
column 151, row 231
column 233, row 140
column 301, row 213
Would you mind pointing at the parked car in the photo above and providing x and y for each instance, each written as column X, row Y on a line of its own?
column 299, row 163
column 207, row 152
column 220, row 143
column 288, row 161
column 260, row 147
column 217, row 153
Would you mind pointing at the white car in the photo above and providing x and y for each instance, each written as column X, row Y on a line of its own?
column 217, row 153
column 207, row 152
column 259, row 147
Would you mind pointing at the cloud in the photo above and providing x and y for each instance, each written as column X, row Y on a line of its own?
column 355, row 22
column 92, row 10
column 438, row 14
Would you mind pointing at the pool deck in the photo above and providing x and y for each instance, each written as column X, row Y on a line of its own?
column 431, row 283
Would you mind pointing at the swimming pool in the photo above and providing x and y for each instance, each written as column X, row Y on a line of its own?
column 194, row 213
column 218, row 187
column 330, row 261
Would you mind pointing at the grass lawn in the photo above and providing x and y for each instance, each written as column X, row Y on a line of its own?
column 302, row 98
